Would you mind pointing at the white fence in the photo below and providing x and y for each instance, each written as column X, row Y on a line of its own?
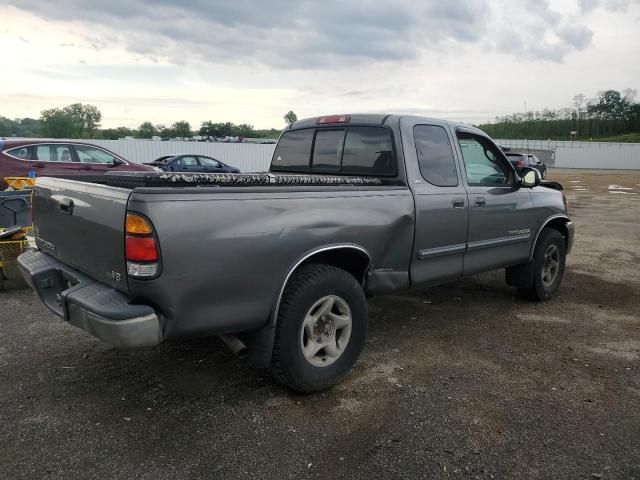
column 248, row 157
column 617, row 156
column 598, row 155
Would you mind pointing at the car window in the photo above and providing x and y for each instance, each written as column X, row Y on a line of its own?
column 209, row 162
column 188, row 161
column 23, row 153
column 435, row 156
column 368, row 151
column 327, row 150
column 293, row 151
column 93, row 155
column 53, row 153
column 482, row 161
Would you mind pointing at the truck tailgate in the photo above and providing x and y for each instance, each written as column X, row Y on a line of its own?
column 82, row 225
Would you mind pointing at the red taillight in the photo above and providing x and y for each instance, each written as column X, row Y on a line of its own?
column 141, row 249
column 334, row 119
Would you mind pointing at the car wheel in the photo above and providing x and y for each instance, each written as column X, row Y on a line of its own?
column 546, row 270
column 321, row 328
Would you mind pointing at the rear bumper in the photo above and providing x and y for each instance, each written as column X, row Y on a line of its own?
column 92, row 306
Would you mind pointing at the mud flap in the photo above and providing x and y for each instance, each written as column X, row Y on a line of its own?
column 260, row 345
column 520, row 276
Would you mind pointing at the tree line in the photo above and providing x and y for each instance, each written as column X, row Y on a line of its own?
column 609, row 114
column 83, row 121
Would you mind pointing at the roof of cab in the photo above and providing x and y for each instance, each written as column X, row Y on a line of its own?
column 375, row 119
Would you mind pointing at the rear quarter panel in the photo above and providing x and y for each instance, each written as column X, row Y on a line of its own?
column 226, row 252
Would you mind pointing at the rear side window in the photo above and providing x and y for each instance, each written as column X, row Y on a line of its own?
column 327, row 150
column 53, row 153
column 368, row 151
column 293, row 151
column 23, row 153
column 435, row 156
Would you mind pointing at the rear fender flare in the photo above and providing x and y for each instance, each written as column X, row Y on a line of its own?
column 307, row 257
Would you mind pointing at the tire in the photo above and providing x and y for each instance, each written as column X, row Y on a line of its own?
column 312, row 291
column 1, row 280
column 544, row 280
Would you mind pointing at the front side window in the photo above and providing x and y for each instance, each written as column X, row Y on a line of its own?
column 327, row 150
column 93, row 155
column 53, row 153
column 435, row 156
column 209, row 162
column 293, row 151
column 482, row 161
column 368, row 151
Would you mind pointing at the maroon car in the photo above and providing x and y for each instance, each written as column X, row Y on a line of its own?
column 58, row 159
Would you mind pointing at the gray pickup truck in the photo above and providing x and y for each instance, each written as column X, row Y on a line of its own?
column 280, row 264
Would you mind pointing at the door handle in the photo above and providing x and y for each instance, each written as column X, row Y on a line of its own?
column 86, row 167
column 458, row 202
column 38, row 165
column 480, row 202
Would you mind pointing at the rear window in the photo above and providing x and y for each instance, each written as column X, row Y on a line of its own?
column 350, row 151
column 293, row 151
column 327, row 150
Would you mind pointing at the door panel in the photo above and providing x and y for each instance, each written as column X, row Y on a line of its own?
column 54, row 159
column 501, row 215
column 441, row 204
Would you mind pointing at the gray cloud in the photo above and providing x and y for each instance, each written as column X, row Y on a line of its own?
column 306, row 33
column 544, row 34
column 611, row 5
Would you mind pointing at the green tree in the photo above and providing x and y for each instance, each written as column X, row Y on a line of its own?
column 58, row 124
column 164, row 131
column 86, row 118
column 116, row 133
column 290, row 117
column 92, row 118
column 8, row 127
column 243, row 130
column 208, row 129
column 147, row 130
column 182, row 129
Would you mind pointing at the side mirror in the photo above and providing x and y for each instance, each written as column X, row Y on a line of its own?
column 530, row 178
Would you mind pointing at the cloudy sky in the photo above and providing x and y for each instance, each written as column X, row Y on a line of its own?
column 250, row 61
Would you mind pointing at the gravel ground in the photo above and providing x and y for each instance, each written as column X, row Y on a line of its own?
column 460, row 381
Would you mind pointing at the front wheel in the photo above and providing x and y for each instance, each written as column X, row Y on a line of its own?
column 321, row 328
column 546, row 268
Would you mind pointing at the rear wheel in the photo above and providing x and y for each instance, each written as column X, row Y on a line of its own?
column 542, row 277
column 321, row 328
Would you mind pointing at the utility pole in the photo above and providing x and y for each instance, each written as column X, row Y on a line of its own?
column 526, row 125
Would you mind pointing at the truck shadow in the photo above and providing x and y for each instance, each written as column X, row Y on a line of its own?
column 473, row 310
